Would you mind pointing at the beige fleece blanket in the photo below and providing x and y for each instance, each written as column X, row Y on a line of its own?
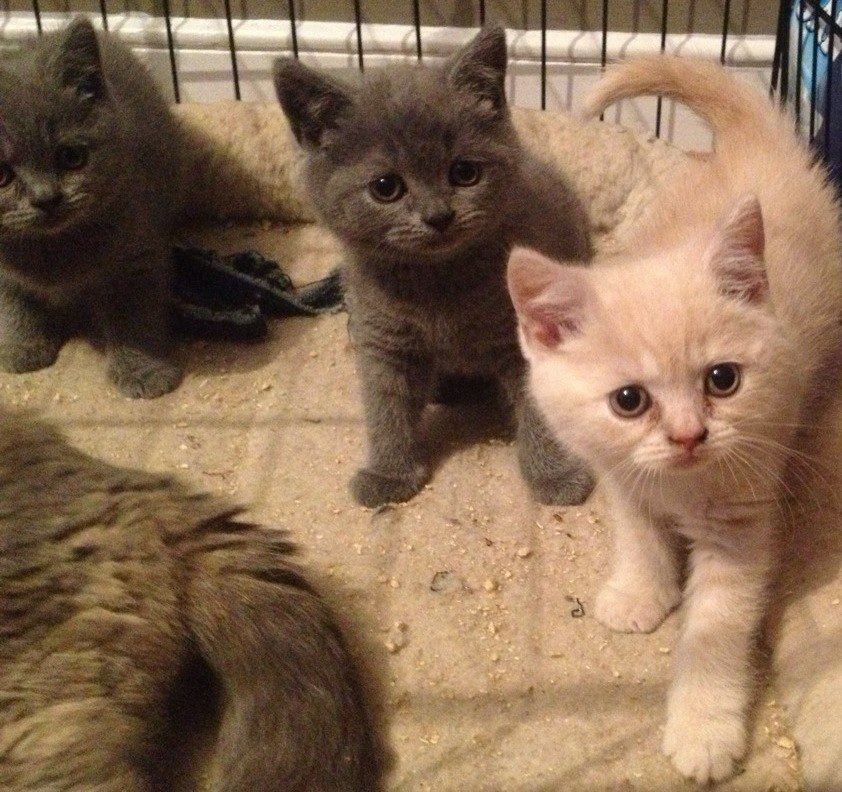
column 615, row 171
column 477, row 601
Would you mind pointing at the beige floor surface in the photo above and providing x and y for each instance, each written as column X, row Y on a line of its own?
column 478, row 601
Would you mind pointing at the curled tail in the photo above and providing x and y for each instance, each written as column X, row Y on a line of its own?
column 742, row 119
column 293, row 714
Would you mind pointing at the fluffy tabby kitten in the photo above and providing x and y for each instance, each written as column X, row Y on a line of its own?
column 117, row 590
column 682, row 371
column 87, row 164
column 420, row 174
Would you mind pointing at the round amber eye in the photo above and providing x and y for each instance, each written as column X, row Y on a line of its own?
column 387, row 188
column 630, row 401
column 72, row 157
column 464, row 173
column 7, row 175
column 722, row 380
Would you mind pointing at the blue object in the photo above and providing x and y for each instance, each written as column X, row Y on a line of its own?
column 811, row 34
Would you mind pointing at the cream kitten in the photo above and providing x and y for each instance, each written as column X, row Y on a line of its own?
column 681, row 371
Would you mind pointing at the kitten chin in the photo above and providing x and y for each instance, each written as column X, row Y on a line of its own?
column 714, row 335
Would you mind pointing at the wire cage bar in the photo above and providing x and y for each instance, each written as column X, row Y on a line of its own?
column 799, row 75
column 810, row 28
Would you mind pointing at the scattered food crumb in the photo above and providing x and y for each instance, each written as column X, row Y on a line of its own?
column 397, row 638
column 489, row 584
column 444, row 581
column 664, row 649
column 524, row 552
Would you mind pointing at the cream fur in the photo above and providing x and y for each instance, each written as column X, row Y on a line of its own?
column 658, row 314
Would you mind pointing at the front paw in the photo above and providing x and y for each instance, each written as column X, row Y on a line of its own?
column 639, row 609
column 704, row 746
column 30, row 355
column 569, row 488
column 141, row 375
column 373, row 489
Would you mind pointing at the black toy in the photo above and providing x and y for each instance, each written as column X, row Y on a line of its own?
column 230, row 297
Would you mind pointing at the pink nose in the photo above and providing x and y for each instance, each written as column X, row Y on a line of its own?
column 689, row 441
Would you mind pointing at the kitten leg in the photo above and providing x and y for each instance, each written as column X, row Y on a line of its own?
column 136, row 321
column 643, row 587
column 29, row 338
column 553, row 474
column 393, row 399
column 705, row 732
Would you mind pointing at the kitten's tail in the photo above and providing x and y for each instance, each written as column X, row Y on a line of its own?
column 743, row 120
column 293, row 712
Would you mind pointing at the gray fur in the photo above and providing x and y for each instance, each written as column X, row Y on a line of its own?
column 114, row 586
column 96, row 260
column 427, row 304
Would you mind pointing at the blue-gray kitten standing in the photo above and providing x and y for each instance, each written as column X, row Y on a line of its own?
column 87, row 168
column 420, row 174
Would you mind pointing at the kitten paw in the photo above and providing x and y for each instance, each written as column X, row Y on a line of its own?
column 143, row 376
column 31, row 356
column 570, row 489
column 626, row 609
column 374, row 489
column 704, row 747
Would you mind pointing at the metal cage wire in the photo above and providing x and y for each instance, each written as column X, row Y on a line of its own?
column 780, row 67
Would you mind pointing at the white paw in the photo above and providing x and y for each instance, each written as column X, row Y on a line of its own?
column 704, row 747
column 627, row 609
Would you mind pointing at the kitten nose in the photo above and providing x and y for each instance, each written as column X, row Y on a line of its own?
column 689, row 440
column 439, row 218
column 46, row 197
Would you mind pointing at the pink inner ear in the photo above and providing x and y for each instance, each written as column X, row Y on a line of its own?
column 549, row 297
column 736, row 254
column 543, row 328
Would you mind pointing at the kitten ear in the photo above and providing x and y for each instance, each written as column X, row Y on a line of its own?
column 550, row 299
column 311, row 101
column 480, row 66
column 736, row 253
column 81, row 67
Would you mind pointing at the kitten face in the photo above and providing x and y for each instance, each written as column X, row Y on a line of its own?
column 672, row 366
column 413, row 163
column 59, row 136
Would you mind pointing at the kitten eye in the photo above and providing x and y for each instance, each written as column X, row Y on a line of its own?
column 7, row 175
column 71, row 158
column 387, row 188
column 464, row 173
column 722, row 380
column 630, row 401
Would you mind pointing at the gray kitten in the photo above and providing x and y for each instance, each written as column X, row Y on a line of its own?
column 87, row 168
column 420, row 174
column 123, row 598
